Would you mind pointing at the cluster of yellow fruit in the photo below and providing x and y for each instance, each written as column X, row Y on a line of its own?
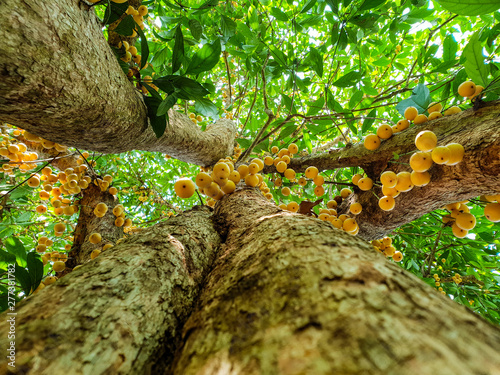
column 461, row 218
column 195, row 118
column 457, row 278
column 437, row 282
column 17, row 152
column 385, row 247
column 492, row 208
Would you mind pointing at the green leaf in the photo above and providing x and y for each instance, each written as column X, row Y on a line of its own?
column 450, row 47
column 6, row 258
column 178, row 52
column 126, row 26
column 307, row 140
column 316, row 106
column 114, row 11
column 228, row 26
column 348, row 80
column 160, row 57
column 35, row 269
column 370, row 4
column 419, row 99
column 367, row 123
column 24, row 279
column 470, row 7
column 195, row 28
column 332, row 104
column 316, row 61
column 278, row 55
column 16, row 247
column 307, row 6
column 279, row 14
column 206, row 108
column 474, row 61
column 144, row 47
column 158, row 123
column 287, row 131
column 166, row 104
column 205, row 59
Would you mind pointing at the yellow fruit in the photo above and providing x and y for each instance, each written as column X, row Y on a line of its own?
column 252, row 180
column 393, row 192
column 323, row 217
column 58, row 266
column 213, row 189
column 426, row 140
column 345, row 192
column 365, row 183
column 465, row 221
column 184, row 187
column 33, row 181
column 452, row 110
column 386, row 203
column 384, row 131
column 95, row 253
column 278, row 182
column 41, row 248
column 355, row 208
column 285, row 191
column 479, row 90
column 343, row 217
column 403, row 124
column 441, row 155
column 95, row 238
column 222, row 170
column 128, row 223
column 243, row 171
column 318, row 180
column 203, row 180
column 229, row 187
column 283, row 206
column 293, row 149
column 356, row 178
column 349, row 225
column 42, row 240
column 420, row 119
column 410, row 113
column 389, row 179
column 119, row 221
column 457, row 231
column 302, row 181
column 281, row 167
column 434, row 107
column 332, row 204
column 372, row 142
column 467, row 88
column 311, row 172
column 434, row 115
column 268, row 160
column 420, row 178
column 389, row 251
column 274, row 149
column 404, row 182
column 235, row 177
column 49, row 280
column 319, row 191
column 59, row 227
column 292, row 206
column 101, row 207
column 492, row 212
column 421, row 161
column 337, row 223
column 456, row 153
column 143, row 10
column 41, row 209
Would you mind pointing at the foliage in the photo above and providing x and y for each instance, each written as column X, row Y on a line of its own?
column 326, row 70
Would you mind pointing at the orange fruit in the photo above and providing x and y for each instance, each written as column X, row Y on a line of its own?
column 410, row 113
column 389, row 179
column 426, row 140
column 372, row 142
column 386, row 203
column 184, row 187
column 467, row 88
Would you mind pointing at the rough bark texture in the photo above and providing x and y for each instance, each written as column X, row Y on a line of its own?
column 291, row 295
column 60, row 80
column 89, row 223
column 121, row 312
column 479, row 172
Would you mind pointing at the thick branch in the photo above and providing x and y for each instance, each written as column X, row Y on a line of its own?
column 61, row 81
column 479, row 172
column 120, row 313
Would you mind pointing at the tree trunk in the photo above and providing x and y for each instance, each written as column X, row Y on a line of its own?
column 61, row 81
column 120, row 312
column 288, row 294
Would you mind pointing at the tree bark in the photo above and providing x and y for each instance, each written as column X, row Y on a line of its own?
column 60, row 80
column 288, row 294
column 120, row 312
column 291, row 295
